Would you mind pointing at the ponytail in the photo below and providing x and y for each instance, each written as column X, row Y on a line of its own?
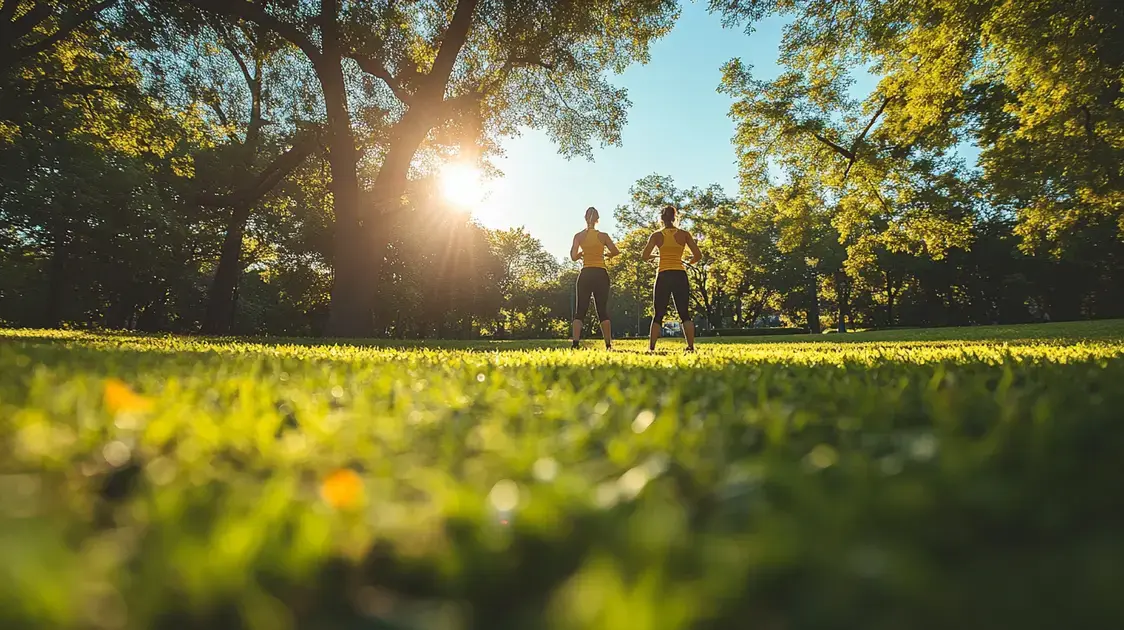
column 591, row 216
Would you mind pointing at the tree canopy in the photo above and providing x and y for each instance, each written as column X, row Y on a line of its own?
column 249, row 167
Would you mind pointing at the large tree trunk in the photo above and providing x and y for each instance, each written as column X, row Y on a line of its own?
column 843, row 297
column 361, row 241
column 813, row 301
column 891, row 293
column 220, row 298
column 57, row 283
column 353, row 263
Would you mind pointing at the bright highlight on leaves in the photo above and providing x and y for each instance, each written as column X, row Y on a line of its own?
column 342, row 489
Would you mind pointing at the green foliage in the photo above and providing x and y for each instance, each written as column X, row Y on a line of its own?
column 1035, row 85
column 953, row 478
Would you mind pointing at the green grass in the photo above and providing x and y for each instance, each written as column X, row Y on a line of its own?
column 955, row 478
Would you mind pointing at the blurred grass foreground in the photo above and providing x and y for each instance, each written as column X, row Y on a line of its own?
column 911, row 479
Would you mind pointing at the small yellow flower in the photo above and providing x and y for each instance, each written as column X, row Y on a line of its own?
column 120, row 397
column 342, row 489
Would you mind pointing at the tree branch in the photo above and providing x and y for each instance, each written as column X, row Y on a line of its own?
column 862, row 136
column 216, row 107
column 1090, row 129
column 268, row 179
column 88, row 88
column 229, row 45
column 873, row 189
column 455, row 36
column 257, row 14
column 835, row 147
column 376, row 68
column 67, row 25
column 488, row 86
column 7, row 10
column 25, row 23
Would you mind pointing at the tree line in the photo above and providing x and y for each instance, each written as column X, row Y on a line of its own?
column 267, row 166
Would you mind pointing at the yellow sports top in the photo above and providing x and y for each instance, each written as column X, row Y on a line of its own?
column 593, row 250
column 671, row 252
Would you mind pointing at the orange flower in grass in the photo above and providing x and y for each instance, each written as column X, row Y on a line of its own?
column 342, row 489
column 120, row 397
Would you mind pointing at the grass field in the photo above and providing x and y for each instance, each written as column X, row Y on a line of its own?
column 957, row 478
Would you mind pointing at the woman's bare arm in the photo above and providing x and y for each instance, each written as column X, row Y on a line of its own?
column 696, row 253
column 610, row 245
column 652, row 244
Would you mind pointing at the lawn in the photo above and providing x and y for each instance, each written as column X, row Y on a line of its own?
column 956, row 478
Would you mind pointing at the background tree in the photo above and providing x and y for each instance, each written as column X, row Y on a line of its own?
column 466, row 65
column 1035, row 87
column 252, row 97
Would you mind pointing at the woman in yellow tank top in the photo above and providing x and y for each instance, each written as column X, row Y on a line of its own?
column 671, row 279
column 590, row 246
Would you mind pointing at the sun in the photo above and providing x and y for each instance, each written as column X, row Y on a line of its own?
column 462, row 184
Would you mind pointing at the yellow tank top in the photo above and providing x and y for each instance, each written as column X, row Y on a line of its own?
column 593, row 250
column 671, row 252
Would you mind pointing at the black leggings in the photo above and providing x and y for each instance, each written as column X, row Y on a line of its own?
column 593, row 281
column 672, row 283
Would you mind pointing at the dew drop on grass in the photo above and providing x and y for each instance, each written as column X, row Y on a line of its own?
column 545, row 469
column 116, row 453
column 633, row 481
column 822, row 456
column 480, row 378
column 643, row 420
column 607, row 495
column 923, row 448
column 504, row 496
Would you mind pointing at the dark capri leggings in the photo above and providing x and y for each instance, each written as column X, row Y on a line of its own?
column 593, row 281
column 672, row 283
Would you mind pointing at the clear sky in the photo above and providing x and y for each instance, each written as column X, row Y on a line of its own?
column 677, row 126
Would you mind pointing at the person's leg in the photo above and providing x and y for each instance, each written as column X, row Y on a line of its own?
column 660, row 296
column 583, row 292
column 682, row 295
column 601, row 300
column 653, row 335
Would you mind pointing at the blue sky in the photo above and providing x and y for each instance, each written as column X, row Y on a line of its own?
column 677, row 126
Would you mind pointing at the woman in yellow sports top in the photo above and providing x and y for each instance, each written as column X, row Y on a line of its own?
column 590, row 246
column 671, row 280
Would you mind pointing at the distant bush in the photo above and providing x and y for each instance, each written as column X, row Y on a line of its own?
column 751, row 332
